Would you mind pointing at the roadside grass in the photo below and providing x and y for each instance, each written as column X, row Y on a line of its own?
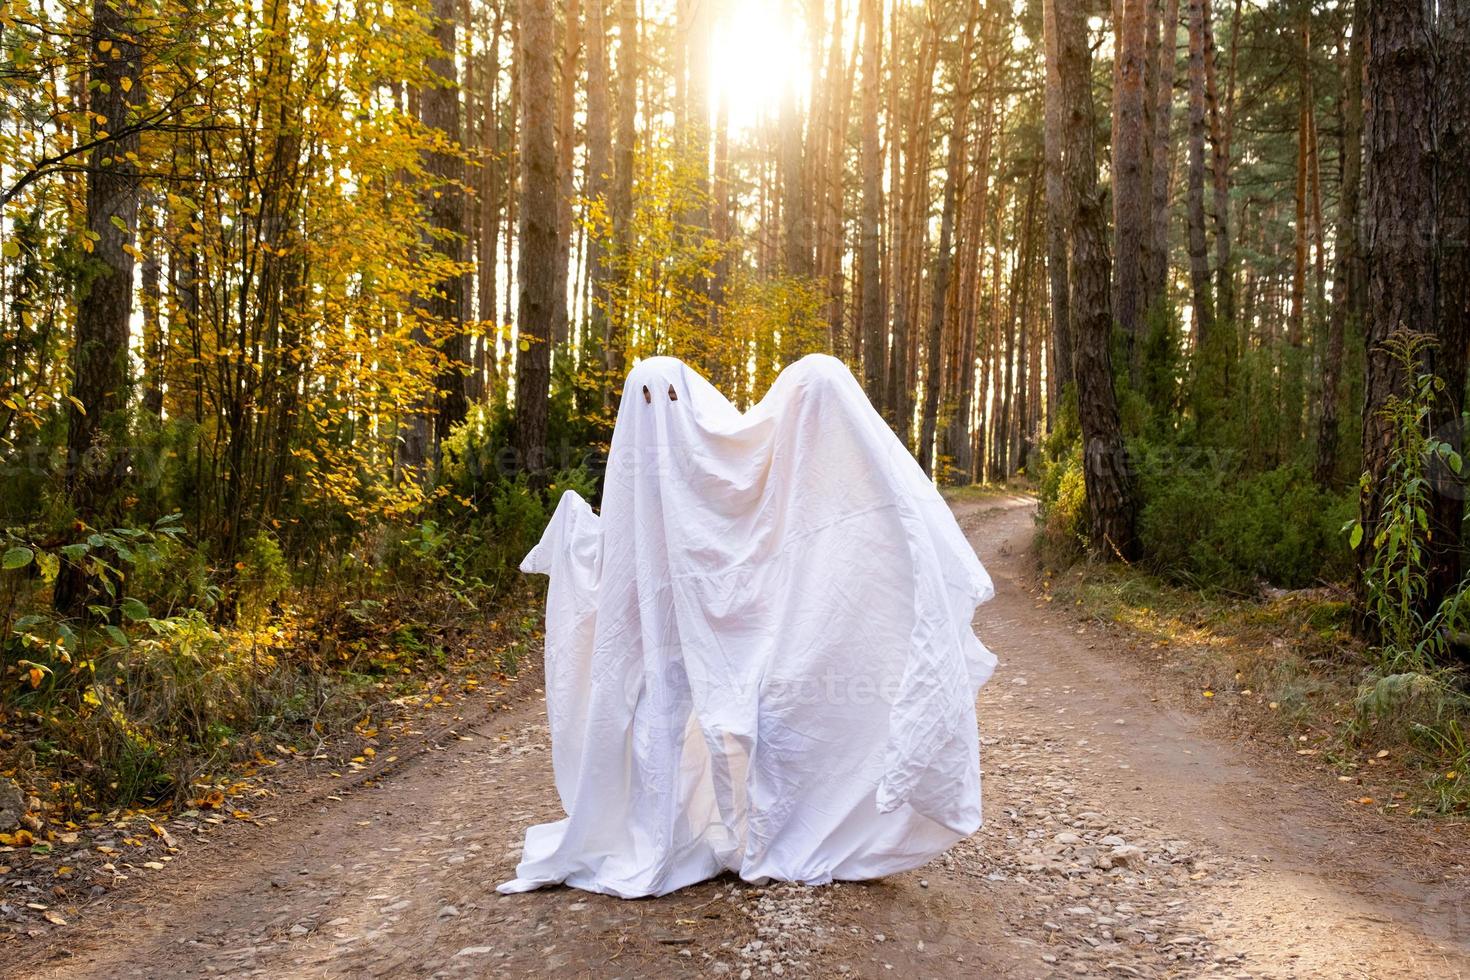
column 1287, row 667
column 161, row 724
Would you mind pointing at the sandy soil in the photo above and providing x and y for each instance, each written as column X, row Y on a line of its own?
column 1125, row 836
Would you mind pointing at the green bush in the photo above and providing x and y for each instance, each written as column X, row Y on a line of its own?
column 1213, row 526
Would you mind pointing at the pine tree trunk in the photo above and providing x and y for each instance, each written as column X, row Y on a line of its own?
column 1220, row 172
column 1447, row 503
column 1057, row 211
column 795, row 211
column 1347, row 273
column 566, row 106
column 538, row 231
column 97, row 422
column 1398, row 216
column 599, row 169
column 1163, row 147
column 616, row 339
column 913, row 239
column 939, row 281
column 439, row 108
column 872, row 315
column 1296, row 327
column 1132, row 184
column 1199, row 263
column 1110, row 501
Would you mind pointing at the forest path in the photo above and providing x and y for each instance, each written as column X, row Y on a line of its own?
column 1122, row 838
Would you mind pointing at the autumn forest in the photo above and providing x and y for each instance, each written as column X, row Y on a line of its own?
column 309, row 310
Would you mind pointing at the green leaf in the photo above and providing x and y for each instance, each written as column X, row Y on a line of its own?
column 75, row 551
column 17, row 558
column 118, row 636
column 134, row 609
column 1356, row 538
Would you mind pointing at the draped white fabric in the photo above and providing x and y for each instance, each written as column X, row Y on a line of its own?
column 759, row 656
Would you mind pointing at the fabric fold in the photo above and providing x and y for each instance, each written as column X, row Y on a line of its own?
column 759, row 657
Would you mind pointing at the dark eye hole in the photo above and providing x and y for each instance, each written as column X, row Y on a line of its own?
column 646, row 396
column 673, row 395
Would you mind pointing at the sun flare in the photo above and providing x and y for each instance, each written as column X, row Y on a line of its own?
column 759, row 47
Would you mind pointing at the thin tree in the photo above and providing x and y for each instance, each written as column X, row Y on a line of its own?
column 872, row 316
column 1220, row 174
column 1132, row 184
column 1347, row 267
column 1199, row 262
column 939, row 279
column 1163, row 147
column 1057, row 210
column 599, row 167
column 615, row 340
column 566, row 140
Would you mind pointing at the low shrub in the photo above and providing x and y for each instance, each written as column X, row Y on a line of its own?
column 1213, row 527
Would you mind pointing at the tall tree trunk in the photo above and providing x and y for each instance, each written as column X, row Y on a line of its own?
column 1058, row 210
column 872, row 315
column 566, row 141
column 97, row 424
column 834, row 191
column 1446, row 561
column 977, row 200
column 599, row 169
column 1347, row 271
column 1296, row 328
column 1163, row 146
column 1110, row 500
column 1132, row 183
column 492, row 174
column 1220, row 172
column 939, row 281
column 618, row 328
column 796, row 214
column 151, row 281
column 1199, row 263
column 439, row 107
column 538, row 231
column 1399, row 214
column 913, row 237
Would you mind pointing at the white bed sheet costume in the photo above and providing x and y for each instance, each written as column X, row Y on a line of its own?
column 759, row 657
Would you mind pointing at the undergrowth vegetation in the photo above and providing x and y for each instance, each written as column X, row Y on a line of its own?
column 1250, row 559
column 181, row 667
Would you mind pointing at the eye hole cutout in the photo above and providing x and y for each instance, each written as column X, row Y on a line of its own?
column 673, row 395
column 646, row 396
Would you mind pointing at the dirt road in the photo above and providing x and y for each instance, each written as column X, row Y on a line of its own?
column 1122, row 838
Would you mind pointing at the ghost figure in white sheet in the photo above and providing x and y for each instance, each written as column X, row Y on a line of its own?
column 759, row 657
